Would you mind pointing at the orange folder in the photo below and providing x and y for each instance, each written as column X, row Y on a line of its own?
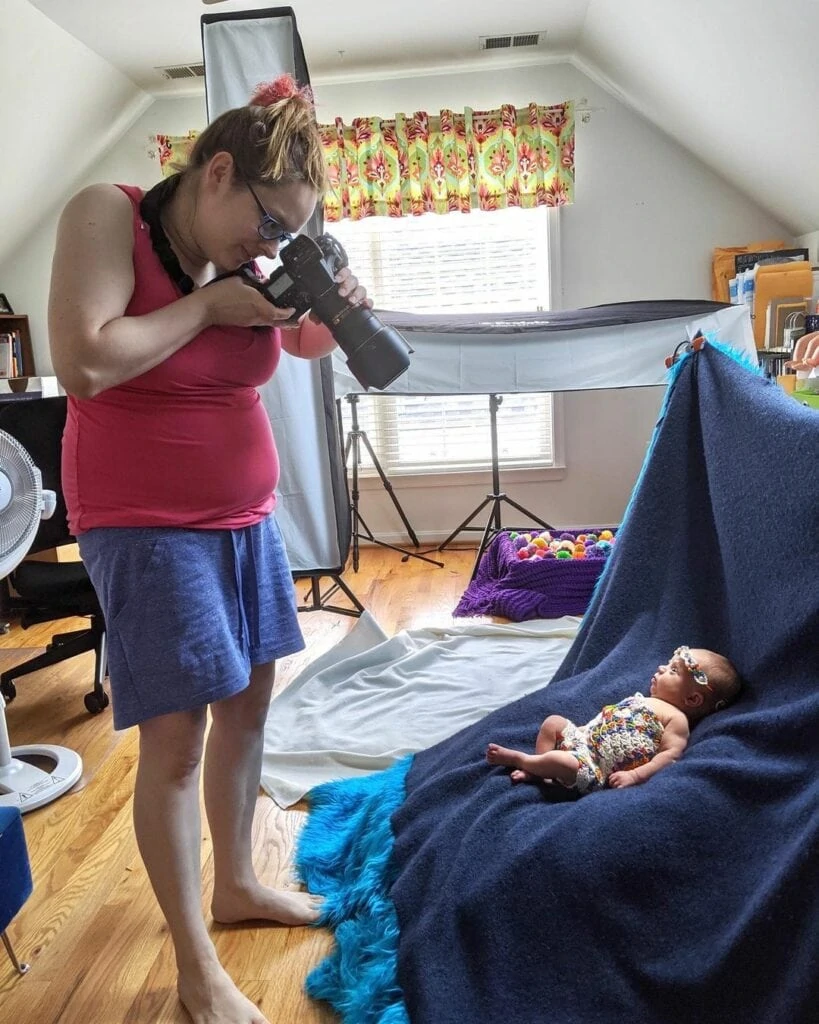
column 778, row 281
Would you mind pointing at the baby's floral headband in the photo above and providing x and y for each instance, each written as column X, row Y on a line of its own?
column 693, row 666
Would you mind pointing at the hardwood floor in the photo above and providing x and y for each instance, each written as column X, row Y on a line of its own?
column 92, row 932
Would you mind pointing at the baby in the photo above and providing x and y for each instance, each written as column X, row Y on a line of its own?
column 630, row 741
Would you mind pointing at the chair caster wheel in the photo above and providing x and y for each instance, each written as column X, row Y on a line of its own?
column 9, row 691
column 94, row 704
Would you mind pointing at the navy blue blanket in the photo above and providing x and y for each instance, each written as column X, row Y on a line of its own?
column 691, row 898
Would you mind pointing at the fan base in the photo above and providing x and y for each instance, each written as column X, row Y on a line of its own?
column 37, row 774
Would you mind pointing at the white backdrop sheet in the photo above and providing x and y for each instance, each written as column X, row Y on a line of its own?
column 372, row 699
column 458, row 356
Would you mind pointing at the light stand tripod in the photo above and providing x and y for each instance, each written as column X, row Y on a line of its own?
column 493, row 523
column 320, row 602
column 354, row 438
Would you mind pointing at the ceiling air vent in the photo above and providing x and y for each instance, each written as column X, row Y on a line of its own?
column 508, row 42
column 176, row 71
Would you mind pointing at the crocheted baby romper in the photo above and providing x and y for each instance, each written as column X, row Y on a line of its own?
column 623, row 736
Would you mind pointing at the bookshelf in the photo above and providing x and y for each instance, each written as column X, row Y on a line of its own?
column 17, row 326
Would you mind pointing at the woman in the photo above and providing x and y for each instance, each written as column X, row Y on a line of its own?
column 169, row 468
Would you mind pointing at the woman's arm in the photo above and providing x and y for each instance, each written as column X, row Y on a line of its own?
column 94, row 346
column 309, row 340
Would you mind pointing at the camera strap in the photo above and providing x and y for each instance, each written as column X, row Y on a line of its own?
column 150, row 208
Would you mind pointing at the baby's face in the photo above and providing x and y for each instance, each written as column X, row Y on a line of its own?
column 673, row 682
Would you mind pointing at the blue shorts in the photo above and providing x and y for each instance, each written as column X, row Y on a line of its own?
column 188, row 612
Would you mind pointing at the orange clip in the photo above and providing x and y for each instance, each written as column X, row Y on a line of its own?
column 695, row 345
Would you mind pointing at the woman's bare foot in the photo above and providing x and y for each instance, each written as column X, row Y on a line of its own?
column 210, row 997
column 264, row 904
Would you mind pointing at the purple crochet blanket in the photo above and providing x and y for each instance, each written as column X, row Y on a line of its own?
column 522, row 589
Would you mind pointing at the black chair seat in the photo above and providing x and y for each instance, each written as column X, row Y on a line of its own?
column 57, row 583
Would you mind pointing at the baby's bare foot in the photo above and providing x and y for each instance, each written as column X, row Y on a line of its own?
column 518, row 775
column 210, row 997
column 501, row 755
column 264, row 904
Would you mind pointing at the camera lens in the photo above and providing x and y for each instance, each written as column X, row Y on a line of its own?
column 376, row 353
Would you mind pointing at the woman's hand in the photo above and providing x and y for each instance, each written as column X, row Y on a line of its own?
column 349, row 289
column 235, row 302
column 805, row 353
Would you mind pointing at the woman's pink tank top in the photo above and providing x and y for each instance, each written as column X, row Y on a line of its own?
column 188, row 443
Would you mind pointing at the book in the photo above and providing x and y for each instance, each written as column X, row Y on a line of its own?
column 6, row 355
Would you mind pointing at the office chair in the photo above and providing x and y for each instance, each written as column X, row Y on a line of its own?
column 52, row 590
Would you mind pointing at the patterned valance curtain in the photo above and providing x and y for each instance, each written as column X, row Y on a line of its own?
column 420, row 163
column 173, row 151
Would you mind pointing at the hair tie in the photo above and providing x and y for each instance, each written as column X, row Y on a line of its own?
column 284, row 87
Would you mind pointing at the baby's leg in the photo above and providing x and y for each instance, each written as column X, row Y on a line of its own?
column 551, row 732
column 548, row 737
column 552, row 764
column 501, row 755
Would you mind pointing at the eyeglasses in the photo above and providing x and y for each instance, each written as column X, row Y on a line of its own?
column 269, row 228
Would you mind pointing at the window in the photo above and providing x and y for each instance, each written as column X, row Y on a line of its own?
column 477, row 262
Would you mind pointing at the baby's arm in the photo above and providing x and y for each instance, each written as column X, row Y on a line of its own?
column 673, row 743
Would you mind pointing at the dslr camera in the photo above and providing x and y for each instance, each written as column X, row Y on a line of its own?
column 376, row 353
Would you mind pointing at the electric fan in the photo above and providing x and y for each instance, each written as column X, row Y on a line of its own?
column 34, row 775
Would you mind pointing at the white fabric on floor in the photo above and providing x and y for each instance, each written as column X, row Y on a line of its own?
column 371, row 699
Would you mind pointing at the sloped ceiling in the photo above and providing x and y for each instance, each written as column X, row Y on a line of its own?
column 737, row 84
column 340, row 36
column 61, row 107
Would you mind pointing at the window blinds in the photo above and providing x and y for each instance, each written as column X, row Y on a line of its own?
column 477, row 262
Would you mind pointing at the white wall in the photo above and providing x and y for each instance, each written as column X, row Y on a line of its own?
column 646, row 217
column 25, row 276
column 61, row 106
